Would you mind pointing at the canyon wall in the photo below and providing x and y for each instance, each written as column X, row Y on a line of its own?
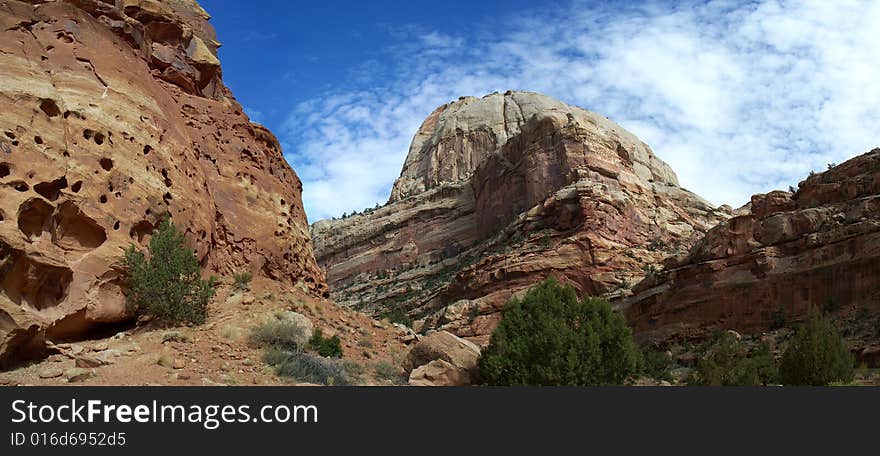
column 114, row 116
column 816, row 247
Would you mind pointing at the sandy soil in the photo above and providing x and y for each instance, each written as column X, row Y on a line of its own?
column 218, row 352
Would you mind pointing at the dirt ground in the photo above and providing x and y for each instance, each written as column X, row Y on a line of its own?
column 217, row 352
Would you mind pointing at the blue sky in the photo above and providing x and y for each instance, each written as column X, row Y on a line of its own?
column 740, row 97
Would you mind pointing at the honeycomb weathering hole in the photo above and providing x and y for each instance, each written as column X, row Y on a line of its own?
column 107, row 164
column 141, row 230
column 50, row 108
column 5, row 170
column 30, row 283
column 34, row 217
column 76, row 230
column 51, row 190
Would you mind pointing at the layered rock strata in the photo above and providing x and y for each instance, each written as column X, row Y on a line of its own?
column 498, row 193
column 817, row 247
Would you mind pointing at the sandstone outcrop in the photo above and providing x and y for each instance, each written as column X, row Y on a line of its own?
column 442, row 359
column 439, row 373
column 442, row 345
column 498, row 193
column 818, row 247
column 114, row 115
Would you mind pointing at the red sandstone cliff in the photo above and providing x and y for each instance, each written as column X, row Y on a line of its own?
column 788, row 253
column 114, row 114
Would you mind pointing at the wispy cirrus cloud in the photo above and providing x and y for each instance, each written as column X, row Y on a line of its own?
column 739, row 98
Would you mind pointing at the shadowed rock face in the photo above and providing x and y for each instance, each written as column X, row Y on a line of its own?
column 790, row 252
column 115, row 114
column 498, row 193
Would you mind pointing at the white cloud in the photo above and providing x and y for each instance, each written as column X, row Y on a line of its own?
column 255, row 115
column 739, row 98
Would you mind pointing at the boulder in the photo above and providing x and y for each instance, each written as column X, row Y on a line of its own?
column 439, row 373
column 77, row 374
column 51, row 372
column 88, row 362
column 443, row 345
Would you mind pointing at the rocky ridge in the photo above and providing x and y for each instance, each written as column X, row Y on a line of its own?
column 115, row 114
column 815, row 247
column 498, row 193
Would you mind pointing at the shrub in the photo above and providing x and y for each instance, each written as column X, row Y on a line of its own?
column 778, row 318
column 552, row 338
column 309, row 368
column 242, row 280
column 727, row 362
column 278, row 333
column 657, row 364
column 398, row 315
column 816, row 355
column 168, row 285
column 325, row 346
column 830, row 306
column 390, row 372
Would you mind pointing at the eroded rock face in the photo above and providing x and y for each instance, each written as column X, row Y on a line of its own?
column 790, row 252
column 115, row 114
column 498, row 193
column 442, row 359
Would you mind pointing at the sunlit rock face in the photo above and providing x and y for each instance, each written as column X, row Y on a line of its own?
column 114, row 115
column 498, row 193
column 817, row 247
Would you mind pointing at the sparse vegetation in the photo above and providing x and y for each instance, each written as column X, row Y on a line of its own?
column 545, row 241
column 242, row 280
column 282, row 350
column 657, row 244
column 816, row 355
column 830, row 306
column 175, row 336
column 398, row 315
column 278, row 333
column 727, row 362
column 550, row 337
column 778, row 318
column 389, row 372
column 309, row 368
column 325, row 346
column 657, row 364
column 167, row 283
